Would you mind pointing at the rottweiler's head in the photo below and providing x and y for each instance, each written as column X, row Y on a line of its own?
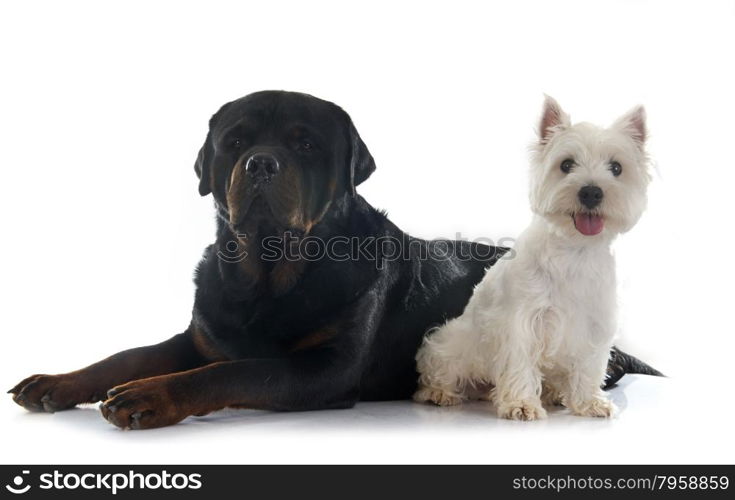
column 277, row 161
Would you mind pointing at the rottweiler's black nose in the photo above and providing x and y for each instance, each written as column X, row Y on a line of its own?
column 262, row 166
column 590, row 196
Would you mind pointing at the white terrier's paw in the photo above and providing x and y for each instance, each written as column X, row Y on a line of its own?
column 522, row 410
column 551, row 397
column 600, row 407
column 436, row 396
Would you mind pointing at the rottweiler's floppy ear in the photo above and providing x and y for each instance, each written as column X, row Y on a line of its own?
column 202, row 166
column 361, row 161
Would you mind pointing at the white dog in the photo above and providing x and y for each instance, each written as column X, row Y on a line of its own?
column 541, row 324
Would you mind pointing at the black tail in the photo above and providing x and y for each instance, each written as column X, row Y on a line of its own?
column 622, row 363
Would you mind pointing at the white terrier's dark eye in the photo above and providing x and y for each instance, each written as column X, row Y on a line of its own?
column 566, row 166
column 616, row 168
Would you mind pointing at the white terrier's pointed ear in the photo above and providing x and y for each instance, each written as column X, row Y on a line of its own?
column 633, row 123
column 552, row 119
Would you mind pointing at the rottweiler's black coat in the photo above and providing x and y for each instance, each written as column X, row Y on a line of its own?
column 276, row 325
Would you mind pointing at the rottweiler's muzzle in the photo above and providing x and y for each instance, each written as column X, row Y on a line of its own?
column 260, row 188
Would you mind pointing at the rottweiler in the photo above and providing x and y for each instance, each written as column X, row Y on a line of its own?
column 308, row 299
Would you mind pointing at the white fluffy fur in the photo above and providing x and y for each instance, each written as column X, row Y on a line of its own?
column 541, row 323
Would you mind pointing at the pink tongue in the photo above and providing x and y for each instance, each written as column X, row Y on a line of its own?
column 588, row 224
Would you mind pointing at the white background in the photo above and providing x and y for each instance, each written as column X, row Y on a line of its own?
column 103, row 108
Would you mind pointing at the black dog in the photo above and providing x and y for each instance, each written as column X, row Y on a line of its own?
column 309, row 298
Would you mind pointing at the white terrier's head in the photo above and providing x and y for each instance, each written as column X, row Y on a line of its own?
column 586, row 180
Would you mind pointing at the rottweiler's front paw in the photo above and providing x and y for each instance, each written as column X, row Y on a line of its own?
column 143, row 404
column 49, row 393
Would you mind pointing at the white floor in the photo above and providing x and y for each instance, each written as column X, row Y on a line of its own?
column 653, row 426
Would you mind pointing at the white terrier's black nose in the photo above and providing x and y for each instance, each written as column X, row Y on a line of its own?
column 590, row 196
column 262, row 166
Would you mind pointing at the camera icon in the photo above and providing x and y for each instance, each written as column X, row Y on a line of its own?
column 18, row 487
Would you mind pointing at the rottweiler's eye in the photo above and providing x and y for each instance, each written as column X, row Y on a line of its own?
column 566, row 165
column 306, row 146
column 232, row 144
column 616, row 168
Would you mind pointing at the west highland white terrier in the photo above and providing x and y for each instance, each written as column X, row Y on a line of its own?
column 540, row 325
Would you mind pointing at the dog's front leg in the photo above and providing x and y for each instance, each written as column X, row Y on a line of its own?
column 309, row 380
column 583, row 394
column 517, row 392
column 52, row 393
column 309, row 377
